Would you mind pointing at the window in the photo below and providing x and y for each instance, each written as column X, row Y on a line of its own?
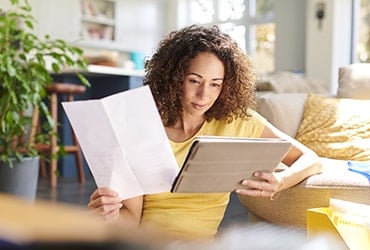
column 362, row 31
column 249, row 22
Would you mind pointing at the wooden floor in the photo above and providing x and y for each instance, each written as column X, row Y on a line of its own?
column 68, row 190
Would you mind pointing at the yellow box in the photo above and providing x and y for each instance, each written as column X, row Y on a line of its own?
column 353, row 232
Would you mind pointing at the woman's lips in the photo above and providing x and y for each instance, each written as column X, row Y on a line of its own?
column 199, row 106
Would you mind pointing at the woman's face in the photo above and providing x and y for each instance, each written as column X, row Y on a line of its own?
column 202, row 84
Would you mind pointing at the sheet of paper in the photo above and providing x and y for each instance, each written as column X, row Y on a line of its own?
column 124, row 142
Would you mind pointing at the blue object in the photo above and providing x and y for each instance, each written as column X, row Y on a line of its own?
column 138, row 59
column 361, row 167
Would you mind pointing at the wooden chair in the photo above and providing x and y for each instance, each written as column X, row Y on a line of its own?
column 56, row 90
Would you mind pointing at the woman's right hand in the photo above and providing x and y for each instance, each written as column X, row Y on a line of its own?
column 106, row 203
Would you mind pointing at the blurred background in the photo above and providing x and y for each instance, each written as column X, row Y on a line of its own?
column 309, row 37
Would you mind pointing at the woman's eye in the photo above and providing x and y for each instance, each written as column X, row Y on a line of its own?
column 194, row 81
column 217, row 85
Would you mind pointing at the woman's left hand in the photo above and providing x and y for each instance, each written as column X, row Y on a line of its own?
column 264, row 184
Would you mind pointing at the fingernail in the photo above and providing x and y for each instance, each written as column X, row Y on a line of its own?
column 244, row 182
column 256, row 174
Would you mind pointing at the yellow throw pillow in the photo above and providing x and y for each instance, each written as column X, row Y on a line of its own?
column 336, row 128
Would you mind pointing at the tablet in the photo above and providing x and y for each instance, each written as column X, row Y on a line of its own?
column 218, row 164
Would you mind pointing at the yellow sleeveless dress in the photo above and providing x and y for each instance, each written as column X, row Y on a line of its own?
column 196, row 216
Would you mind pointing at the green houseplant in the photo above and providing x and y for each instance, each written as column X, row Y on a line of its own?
column 26, row 66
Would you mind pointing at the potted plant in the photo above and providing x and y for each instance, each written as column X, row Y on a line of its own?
column 26, row 66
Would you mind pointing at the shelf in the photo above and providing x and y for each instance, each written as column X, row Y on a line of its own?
column 107, row 70
column 101, row 44
column 97, row 69
column 96, row 8
column 98, row 20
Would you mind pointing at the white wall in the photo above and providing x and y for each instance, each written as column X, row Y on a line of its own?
column 302, row 46
column 59, row 19
column 4, row 4
column 328, row 48
column 140, row 24
column 290, row 35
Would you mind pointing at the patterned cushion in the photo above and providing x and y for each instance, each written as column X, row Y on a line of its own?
column 337, row 128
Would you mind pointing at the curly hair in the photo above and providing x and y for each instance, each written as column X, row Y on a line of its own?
column 166, row 70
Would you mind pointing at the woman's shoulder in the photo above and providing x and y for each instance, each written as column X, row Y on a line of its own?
column 253, row 116
column 251, row 126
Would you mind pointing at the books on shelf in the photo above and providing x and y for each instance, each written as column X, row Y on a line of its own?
column 98, row 20
column 97, row 8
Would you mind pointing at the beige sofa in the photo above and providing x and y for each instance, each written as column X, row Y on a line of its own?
column 285, row 110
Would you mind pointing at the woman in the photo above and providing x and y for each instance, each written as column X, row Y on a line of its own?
column 203, row 84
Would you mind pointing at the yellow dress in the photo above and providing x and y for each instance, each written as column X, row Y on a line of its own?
column 196, row 216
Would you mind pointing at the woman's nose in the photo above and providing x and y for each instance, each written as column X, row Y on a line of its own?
column 201, row 91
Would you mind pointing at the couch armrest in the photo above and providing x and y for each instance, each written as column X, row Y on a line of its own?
column 290, row 207
column 283, row 110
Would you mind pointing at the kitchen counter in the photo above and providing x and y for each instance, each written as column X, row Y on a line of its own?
column 98, row 69
column 104, row 80
column 106, row 70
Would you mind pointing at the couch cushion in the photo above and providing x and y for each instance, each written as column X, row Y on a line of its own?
column 354, row 81
column 283, row 110
column 337, row 128
column 289, row 82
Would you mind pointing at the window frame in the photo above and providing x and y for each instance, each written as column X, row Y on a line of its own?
column 249, row 20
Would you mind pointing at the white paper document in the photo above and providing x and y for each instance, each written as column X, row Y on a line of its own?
column 124, row 142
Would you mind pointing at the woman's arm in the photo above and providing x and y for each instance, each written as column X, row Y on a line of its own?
column 131, row 210
column 301, row 163
column 105, row 202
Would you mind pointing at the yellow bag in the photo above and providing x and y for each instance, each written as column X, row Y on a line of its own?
column 349, row 229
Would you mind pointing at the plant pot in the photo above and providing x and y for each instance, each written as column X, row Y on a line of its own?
column 21, row 180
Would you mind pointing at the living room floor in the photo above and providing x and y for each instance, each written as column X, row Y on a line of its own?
column 70, row 191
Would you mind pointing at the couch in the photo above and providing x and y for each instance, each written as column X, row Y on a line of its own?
column 288, row 111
